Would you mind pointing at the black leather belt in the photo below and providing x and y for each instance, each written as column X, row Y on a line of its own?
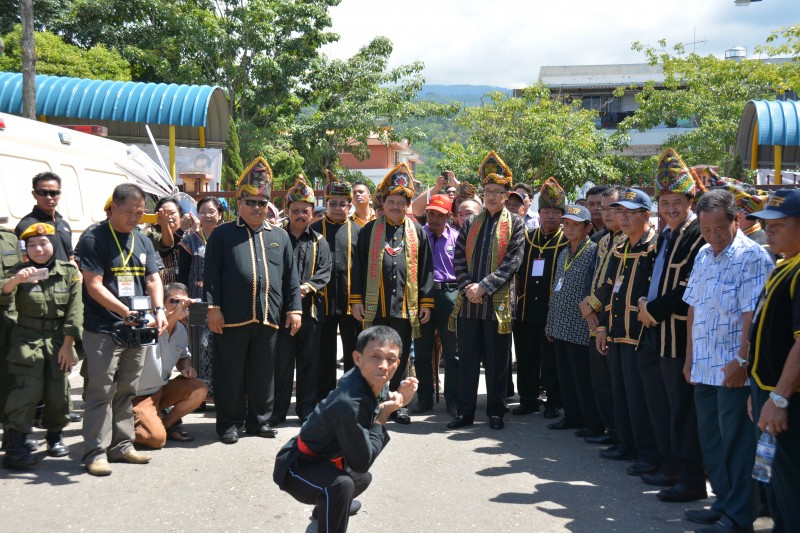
column 445, row 285
column 40, row 323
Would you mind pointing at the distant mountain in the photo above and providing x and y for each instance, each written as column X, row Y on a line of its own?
column 469, row 95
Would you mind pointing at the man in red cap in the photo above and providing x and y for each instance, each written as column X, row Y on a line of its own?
column 442, row 238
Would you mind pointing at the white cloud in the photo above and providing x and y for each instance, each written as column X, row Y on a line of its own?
column 504, row 42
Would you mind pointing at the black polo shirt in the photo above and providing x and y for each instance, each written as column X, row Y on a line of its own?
column 63, row 241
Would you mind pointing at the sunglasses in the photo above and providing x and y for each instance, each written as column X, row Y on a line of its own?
column 51, row 194
column 256, row 203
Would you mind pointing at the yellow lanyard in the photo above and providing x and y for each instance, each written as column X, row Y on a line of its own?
column 121, row 253
column 568, row 263
column 203, row 236
column 536, row 240
column 625, row 257
column 787, row 267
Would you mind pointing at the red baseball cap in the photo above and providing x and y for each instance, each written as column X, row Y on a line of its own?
column 440, row 203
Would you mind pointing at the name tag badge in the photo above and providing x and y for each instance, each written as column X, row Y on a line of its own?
column 538, row 268
column 125, row 286
column 618, row 284
column 559, row 284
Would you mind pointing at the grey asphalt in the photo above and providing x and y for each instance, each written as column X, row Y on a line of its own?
column 523, row 478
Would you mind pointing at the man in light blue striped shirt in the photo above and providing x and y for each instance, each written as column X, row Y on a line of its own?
column 728, row 275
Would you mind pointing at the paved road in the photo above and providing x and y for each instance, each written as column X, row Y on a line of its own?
column 524, row 478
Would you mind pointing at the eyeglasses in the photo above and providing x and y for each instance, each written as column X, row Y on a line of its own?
column 624, row 213
column 338, row 205
column 494, row 193
column 175, row 301
column 50, row 193
column 256, row 203
column 208, row 213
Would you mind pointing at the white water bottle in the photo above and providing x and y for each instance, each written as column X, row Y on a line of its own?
column 765, row 453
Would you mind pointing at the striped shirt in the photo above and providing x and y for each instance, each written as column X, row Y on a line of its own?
column 721, row 289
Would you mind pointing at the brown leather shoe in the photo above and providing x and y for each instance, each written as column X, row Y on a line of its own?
column 133, row 457
column 99, row 467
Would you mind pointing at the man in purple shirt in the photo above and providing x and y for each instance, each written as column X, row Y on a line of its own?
column 442, row 239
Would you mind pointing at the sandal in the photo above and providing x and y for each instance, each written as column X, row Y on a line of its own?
column 175, row 433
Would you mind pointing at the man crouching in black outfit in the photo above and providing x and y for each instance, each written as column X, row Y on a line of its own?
column 327, row 463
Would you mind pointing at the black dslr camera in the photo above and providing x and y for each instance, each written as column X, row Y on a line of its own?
column 135, row 336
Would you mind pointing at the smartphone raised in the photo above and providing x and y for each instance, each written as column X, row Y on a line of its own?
column 39, row 275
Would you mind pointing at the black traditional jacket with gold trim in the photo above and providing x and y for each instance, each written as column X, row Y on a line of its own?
column 534, row 291
column 602, row 257
column 312, row 260
column 341, row 239
column 393, row 299
column 631, row 267
column 250, row 275
column 668, row 308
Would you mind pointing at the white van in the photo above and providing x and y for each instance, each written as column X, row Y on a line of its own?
column 87, row 165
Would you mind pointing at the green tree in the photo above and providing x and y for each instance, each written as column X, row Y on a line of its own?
column 536, row 135
column 711, row 94
column 56, row 58
column 353, row 99
column 232, row 166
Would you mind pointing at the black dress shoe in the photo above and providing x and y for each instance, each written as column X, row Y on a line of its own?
column 552, row 411
column 75, row 417
column 702, row 516
column 614, row 454
column 496, row 422
column 682, row 493
column 230, row 437
column 275, row 421
column 562, row 424
column 400, row 416
column 725, row 525
column 637, row 469
column 459, row 421
column 421, row 408
column 265, row 431
column 659, row 479
column 588, row 432
column 525, row 409
column 600, row 439
column 55, row 444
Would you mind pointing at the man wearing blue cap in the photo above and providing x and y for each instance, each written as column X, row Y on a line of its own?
column 629, row 271
column 775, row 356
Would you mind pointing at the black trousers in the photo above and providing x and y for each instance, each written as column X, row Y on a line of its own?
column 600, row 367
column 630, row 405
column 301, row 350
column 478, row 340
column 349, row 328
column 670, row 402
column 403, row 328
column 244, row 367
column 575, row 380
column 622, row 418
column 783, row 491
column 331, row 489
column 536, row 365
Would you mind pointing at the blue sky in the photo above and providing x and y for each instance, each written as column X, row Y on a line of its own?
column 504, row 42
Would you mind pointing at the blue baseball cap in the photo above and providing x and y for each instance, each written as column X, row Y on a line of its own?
column 578, row 213
column 634, row 199
column 783, row 203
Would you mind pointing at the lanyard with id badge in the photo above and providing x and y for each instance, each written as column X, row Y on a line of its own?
column 567, row 264
column 620, row 279
column 537, row 269
column 126, row 286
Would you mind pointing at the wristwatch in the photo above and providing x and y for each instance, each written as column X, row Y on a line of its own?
column 778, row 400
column 742, row 362
column 160, row 307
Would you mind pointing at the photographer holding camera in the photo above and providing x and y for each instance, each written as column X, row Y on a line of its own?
column 119, row 268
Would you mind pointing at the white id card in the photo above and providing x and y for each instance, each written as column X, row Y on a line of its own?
column 125, row 286
column 618, row 285
column 558, row 285
column 538, row 268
